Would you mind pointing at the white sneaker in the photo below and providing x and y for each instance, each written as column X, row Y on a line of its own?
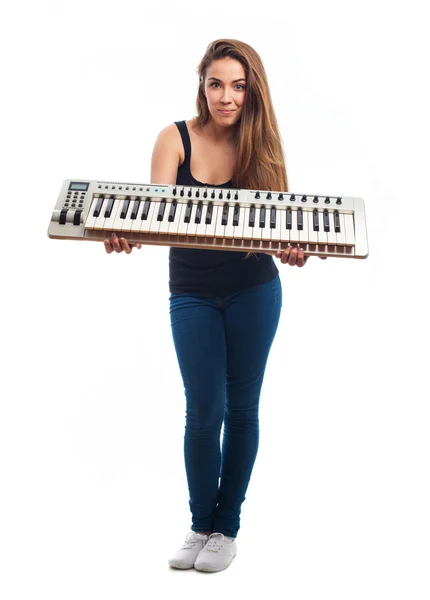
column 186, row 556
column 217, row 553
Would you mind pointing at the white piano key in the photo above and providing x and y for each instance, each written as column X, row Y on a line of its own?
column 164, row 224
column 219, row 227
column 340, row 236
column 155, row 224
column 331, row 235
column 183, row 227
column 349, row 230
column 128, row 222
column 210, row 227
column 192, row 225
column 266, row 232
column 117, row 224
column 145, row 226
column 201, row 227
column 276, row 231
column 229, row 229
column 285, row 233
column 304, row 233
column 90, row 220
column 247, row 232
column 322, row 235
column 294, row 232
column 256, row 230
column 100, row 220
column 174, row 225
column 238, row 229
column 313, row 235
column 108, row 222
column 136, row 223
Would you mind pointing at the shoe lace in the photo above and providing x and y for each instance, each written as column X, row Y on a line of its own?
column 192, row 539
column 214, row 542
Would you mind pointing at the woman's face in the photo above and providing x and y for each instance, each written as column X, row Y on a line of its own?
column 225, row 87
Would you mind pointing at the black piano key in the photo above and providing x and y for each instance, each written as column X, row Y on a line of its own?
column 251, row 216
column 326, row 220
column 316, row 220
column 224, row 218
column 63, row 216
column 172, row 212
column 135, row 209
column 209, row 212
column 199, row 212
column 289, row 222
column 109, row 207
column 236, row 213
column 98, row 207
column 262, row 216
column 300, row 219
column 124, row 208
column 161, row 210
column 336, row 221
column 188, row 212
column 145, row 210
column 272, row 217
column 77, row 217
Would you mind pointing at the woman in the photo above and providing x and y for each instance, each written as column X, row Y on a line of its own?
column 224, row 305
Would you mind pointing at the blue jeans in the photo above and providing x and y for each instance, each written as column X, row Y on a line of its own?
column 222, row 345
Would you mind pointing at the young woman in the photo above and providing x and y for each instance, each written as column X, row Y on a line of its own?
column 224, row 306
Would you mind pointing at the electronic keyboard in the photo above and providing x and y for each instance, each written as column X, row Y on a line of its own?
column 210, row 218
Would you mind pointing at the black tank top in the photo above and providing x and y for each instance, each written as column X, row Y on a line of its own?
column 213, row 272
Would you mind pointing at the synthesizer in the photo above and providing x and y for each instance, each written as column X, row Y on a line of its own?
column 210, row 218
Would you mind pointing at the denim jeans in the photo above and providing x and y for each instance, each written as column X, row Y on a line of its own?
column 222, row 345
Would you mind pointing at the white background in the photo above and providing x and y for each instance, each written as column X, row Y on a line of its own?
column 94, row 497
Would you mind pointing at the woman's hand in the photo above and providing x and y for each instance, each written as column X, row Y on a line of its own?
column 119, row 244
column 294, row 256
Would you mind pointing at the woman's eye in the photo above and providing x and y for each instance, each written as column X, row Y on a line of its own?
column 237, row 85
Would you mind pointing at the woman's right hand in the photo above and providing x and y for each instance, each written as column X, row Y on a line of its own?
column 119, row 244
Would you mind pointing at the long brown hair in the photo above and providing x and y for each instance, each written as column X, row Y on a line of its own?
column 260, row 161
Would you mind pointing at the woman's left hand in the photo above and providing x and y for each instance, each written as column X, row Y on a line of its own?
column 294, row 256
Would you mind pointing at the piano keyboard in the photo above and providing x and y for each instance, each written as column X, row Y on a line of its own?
column 210, row 218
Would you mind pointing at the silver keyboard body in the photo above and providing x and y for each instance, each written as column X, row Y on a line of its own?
column 321, row 225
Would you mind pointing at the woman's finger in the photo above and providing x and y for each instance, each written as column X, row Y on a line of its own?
column 116, row 243
column 301, row 258
column 124, row 245
column 108, row 246
column 293, row 257
column 285, row 255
